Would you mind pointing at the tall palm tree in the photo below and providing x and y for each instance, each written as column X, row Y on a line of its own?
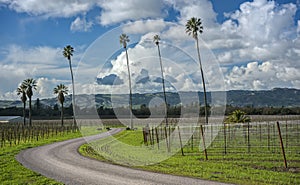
column 61, row 90
column 156, row 40
column 22, row 90
column 68, row 53
column 124, row 39
column 193, row 27
column 29, row 84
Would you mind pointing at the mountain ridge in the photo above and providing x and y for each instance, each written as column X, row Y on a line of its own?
column 277, row 97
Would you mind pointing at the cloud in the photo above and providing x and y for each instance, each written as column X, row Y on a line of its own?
column 111, row 79
column 45, row 87
column 259, row 31
column 266, row 75
column 195, row 8
column 144, row 26
column 43, row 63
column 81, row 25
column 258, row 46
column 115, row 11
column 298, row 28
column 264, row 21
column 61, row 8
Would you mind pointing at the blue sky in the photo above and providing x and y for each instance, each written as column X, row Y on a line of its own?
column 255, row 43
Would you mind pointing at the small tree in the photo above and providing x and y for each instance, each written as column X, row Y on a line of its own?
column 61, row 90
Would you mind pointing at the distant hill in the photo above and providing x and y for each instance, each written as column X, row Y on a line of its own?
column 276, row 97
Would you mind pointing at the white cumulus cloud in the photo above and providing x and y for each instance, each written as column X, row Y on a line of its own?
column 115, row 11
column 81, row 24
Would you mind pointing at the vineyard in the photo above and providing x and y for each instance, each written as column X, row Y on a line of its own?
column 17, row 133
column 256, row 153
column 265, row 139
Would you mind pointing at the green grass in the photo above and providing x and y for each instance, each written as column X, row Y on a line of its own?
column 237, row 166
column 12, row 172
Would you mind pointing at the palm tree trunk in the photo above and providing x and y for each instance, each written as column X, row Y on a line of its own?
column 62, row 114
column 30, row 121
column 203, row 82
column 24, row 113
column 130, row 92
column 163, row 82
column 73, row 93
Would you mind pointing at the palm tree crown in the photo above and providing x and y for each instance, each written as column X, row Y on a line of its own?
column 22, row 90
column 29, row 84
column 193, row 26
column 61, row 90
column 156, row 39
column 68, row 52
column 124, row 39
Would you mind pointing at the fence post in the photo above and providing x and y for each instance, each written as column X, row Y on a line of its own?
column 268, row 128
column 286, row 134
column 281, row 144
column 145, row 136
column 248, row 136
column 180, row 141
column 166, row 137
column 225, row 147
column 157, row 139
column 203, row 140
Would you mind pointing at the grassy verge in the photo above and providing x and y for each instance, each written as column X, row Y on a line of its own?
column 12, row 172
column 238, row 167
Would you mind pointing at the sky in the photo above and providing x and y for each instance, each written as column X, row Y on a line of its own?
column 245, row 45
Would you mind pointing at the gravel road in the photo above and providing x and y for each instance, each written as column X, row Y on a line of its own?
column 61, row 161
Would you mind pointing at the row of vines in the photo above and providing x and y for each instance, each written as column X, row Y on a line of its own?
column 16, row 133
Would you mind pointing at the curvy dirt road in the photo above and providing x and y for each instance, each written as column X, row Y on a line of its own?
column 61, row 161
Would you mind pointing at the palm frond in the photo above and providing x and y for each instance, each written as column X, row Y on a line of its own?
column 124, row 39
column 68, row 51
column 156, row 39
column 193, row 26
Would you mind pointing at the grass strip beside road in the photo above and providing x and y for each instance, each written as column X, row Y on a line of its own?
column 12, row 172
column 237, row 168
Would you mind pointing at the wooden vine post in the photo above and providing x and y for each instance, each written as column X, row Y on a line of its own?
column 203, row 140
column 281, row 144
column 181, row 147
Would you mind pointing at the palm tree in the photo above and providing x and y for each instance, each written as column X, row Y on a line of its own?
column 29, row 84
column 156, row 40
column 22, row 90
column 193, row 27
column 68, row 53
column 61, row 90
column 238, row 116
column 124, row 39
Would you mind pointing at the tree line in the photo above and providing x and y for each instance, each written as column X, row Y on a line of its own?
column 41, row 111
